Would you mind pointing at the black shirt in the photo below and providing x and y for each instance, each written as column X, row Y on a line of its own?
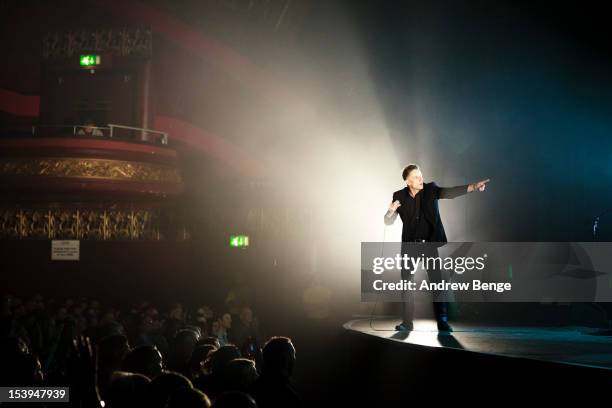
column 411, row 207
column 418, row 226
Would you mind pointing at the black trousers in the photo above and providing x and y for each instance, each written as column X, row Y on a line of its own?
column 434, row 274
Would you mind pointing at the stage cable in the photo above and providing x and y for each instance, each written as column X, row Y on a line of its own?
column 382, row 250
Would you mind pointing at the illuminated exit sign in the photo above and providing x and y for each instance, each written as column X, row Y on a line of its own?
column 90, row 61
column 239, row 241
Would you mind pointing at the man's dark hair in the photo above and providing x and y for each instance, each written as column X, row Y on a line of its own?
column 408, row 169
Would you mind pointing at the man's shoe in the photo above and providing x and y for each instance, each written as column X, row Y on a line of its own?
column 443, row 326
column 404, row 327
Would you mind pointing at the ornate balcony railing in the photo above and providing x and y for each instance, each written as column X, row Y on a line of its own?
column 100, row 224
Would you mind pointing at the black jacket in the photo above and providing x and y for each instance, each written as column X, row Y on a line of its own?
column 429, row 206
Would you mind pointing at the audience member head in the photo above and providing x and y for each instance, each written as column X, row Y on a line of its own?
column 278, row 357
column 213, row 341
column 112, row 350
column 88, row 126
column 246, row 316
column 198, row 359
column 145, row 360
column 225, row 321
column 221, row 357
column 162, row 386
column 126, row 390
column 183, row 345
column 176, row 312
column 239, row 375
column 188, row 398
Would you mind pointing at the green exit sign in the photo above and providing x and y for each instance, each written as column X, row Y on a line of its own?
column 90, row 60
column 239, row 241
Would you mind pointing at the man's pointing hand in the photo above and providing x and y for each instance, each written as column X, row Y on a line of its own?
column 478, row 186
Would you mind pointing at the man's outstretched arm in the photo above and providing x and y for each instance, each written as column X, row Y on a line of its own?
column 391, row 213
column 453, row 192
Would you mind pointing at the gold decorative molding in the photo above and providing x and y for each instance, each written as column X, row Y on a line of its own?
column 90, row 224
column 90, row 168
column 123, row 42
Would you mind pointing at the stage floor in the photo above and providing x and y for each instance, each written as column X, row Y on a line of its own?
column 569, row 345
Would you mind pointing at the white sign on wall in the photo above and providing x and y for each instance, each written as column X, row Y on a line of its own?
column 68, row 250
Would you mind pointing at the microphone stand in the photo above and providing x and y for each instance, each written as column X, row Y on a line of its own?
column 608, row 331
column 596, row 222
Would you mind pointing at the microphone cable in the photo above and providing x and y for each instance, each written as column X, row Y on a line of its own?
column 382, row 249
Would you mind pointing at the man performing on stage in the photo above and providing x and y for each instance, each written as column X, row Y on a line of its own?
column 417, row 205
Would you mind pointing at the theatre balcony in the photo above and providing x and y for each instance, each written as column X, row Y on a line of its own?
column 87, row 182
